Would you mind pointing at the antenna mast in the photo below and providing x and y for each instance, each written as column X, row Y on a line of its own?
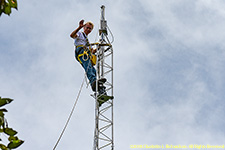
column 103, row 135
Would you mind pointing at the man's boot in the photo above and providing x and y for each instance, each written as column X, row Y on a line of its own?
column 100, row 82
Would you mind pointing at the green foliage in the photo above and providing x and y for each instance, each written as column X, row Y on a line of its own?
column 6, row 6
column 14, row 141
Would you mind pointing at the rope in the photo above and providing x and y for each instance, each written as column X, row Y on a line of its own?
column 67, row 122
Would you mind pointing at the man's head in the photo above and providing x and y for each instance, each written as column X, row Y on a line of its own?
column 88, row 27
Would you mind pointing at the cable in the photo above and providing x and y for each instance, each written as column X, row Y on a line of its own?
column 111, row 35
column 67, row 122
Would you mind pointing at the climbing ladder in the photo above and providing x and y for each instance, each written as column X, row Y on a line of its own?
column 103, row 134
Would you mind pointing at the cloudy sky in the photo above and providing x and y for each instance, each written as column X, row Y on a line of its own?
column 168, row 72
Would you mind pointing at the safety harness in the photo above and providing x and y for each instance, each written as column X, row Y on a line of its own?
column 87, row 52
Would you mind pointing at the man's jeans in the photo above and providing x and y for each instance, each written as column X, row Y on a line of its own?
column 89, row 69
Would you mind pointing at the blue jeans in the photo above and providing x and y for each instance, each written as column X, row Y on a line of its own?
column 86, row 64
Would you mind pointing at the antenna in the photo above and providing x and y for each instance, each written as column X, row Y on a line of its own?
column 103, row 22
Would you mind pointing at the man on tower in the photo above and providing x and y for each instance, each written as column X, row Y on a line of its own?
column 84, row 54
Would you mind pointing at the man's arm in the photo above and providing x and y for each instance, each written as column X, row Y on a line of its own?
column 74, row 33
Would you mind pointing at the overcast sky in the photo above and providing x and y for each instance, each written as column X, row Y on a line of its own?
column 169, row 70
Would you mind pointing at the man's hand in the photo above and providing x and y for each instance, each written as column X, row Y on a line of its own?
column 74, row 33
column 81, row 24
column 93, row 51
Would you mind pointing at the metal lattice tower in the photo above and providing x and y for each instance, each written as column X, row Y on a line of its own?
column 103, row 135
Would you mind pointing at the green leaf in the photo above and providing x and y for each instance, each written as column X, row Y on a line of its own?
column 3, row 110
column 7, row 9
column 9, row 131
column 4, row 101
column 3, row 147
column 15, row 144
column 13, row 3
column 13, row 138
